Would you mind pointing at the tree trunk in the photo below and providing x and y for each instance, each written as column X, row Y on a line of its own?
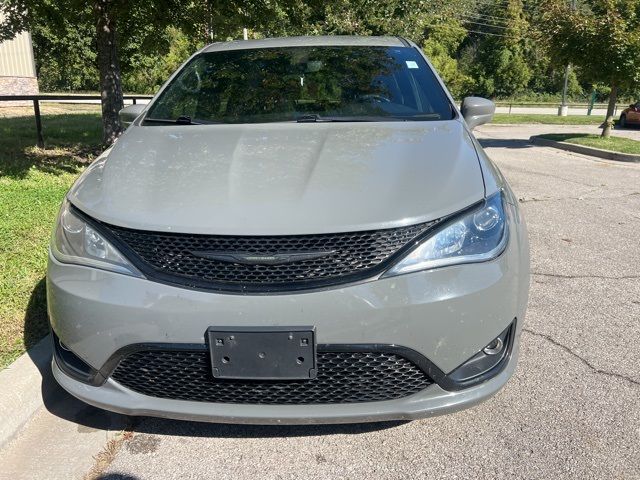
column 608, row 124
column 109, row 68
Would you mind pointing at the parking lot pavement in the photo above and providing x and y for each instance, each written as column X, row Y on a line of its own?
column 572, row 410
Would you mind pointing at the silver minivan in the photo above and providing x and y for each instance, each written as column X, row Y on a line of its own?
column 294, row 230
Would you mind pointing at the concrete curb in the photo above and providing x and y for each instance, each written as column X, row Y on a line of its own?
column 39, row 422
column 594, row 152
column 21, row 389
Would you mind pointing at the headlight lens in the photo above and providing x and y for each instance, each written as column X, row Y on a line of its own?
column 479, row 236
column 75, row 241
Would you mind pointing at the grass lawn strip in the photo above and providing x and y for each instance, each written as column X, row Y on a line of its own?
column 546, row 119
column 33, row 182
column 612, row 144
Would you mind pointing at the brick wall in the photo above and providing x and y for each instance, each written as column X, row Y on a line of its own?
column 17, row 86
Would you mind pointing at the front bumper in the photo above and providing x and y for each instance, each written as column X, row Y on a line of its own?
column 447, row 315
column 431, row 401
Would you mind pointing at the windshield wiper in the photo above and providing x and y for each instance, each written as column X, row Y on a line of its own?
column 181, row 120
column 314, row 117
column 425, row 116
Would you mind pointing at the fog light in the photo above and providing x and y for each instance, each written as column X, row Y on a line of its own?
column 485, row 364
column 494, row 347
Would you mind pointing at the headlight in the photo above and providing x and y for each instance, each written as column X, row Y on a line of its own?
column 478, row 236
column 75, row 241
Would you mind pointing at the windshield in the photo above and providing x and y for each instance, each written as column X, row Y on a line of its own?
column 303, row 84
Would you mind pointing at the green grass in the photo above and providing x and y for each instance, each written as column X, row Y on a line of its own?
column 33, row 182
column 546, row 119
column 614, row 144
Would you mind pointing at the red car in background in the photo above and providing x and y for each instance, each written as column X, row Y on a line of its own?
column 630, row 116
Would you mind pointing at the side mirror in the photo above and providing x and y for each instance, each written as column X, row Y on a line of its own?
column 128, row 114
column 477, row 111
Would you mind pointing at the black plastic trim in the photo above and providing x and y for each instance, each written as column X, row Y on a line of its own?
column 448, row 383
column 88, row 375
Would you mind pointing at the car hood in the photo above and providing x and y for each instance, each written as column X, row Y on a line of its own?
column 282, row 178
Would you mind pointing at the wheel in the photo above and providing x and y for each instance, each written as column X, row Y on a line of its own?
column 623, row 121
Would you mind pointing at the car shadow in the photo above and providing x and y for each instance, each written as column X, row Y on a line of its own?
column 72, row 140
column 36, row 325
column 511, row 143
column 116, row 476
column 63, row 405
column 159, row 426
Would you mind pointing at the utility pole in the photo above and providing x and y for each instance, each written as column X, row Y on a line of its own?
column 209, row 32
column 564, row 108
column 563, row 111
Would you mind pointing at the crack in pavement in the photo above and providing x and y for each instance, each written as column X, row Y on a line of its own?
column 533, row 199
column 532, row 172
column 603, row 277
column 581, row 359
column 582, row 197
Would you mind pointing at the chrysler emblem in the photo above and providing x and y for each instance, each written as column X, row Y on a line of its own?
column 258, row 259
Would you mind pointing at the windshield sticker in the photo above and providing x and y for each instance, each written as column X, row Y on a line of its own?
column 412, row 64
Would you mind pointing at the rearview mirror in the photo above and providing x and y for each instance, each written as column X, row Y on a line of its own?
column 477, row 111
column 128, row 114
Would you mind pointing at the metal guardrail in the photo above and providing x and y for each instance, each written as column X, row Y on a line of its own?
column 36, row 99
column 587, row 106
column 506, row 103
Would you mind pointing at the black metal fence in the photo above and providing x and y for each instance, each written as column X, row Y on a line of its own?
column 36, row 99
column 587, row 107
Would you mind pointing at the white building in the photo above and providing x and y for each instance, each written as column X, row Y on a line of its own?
column 17, row 67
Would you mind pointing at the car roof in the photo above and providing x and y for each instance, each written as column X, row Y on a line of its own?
column 309, row 41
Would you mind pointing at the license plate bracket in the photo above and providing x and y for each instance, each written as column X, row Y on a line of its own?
column 262, row 353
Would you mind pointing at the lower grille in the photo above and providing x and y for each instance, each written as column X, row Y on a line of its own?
column 343, row 377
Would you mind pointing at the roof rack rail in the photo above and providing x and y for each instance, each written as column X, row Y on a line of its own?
column 404, row 41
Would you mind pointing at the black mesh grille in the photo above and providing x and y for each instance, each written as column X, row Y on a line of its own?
column 170, row 257
column 343, row 377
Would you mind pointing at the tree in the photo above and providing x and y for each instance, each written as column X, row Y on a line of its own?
column 65, row 55
column 112, row 21
column 119, row 26
column 499, row 65
column 443, row 38
column 599, row 37
column 429, row 23
column 407, row 18
column 148, row 72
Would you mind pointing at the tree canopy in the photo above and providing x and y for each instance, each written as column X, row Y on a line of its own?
column 494, row 48
column 600, row 37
